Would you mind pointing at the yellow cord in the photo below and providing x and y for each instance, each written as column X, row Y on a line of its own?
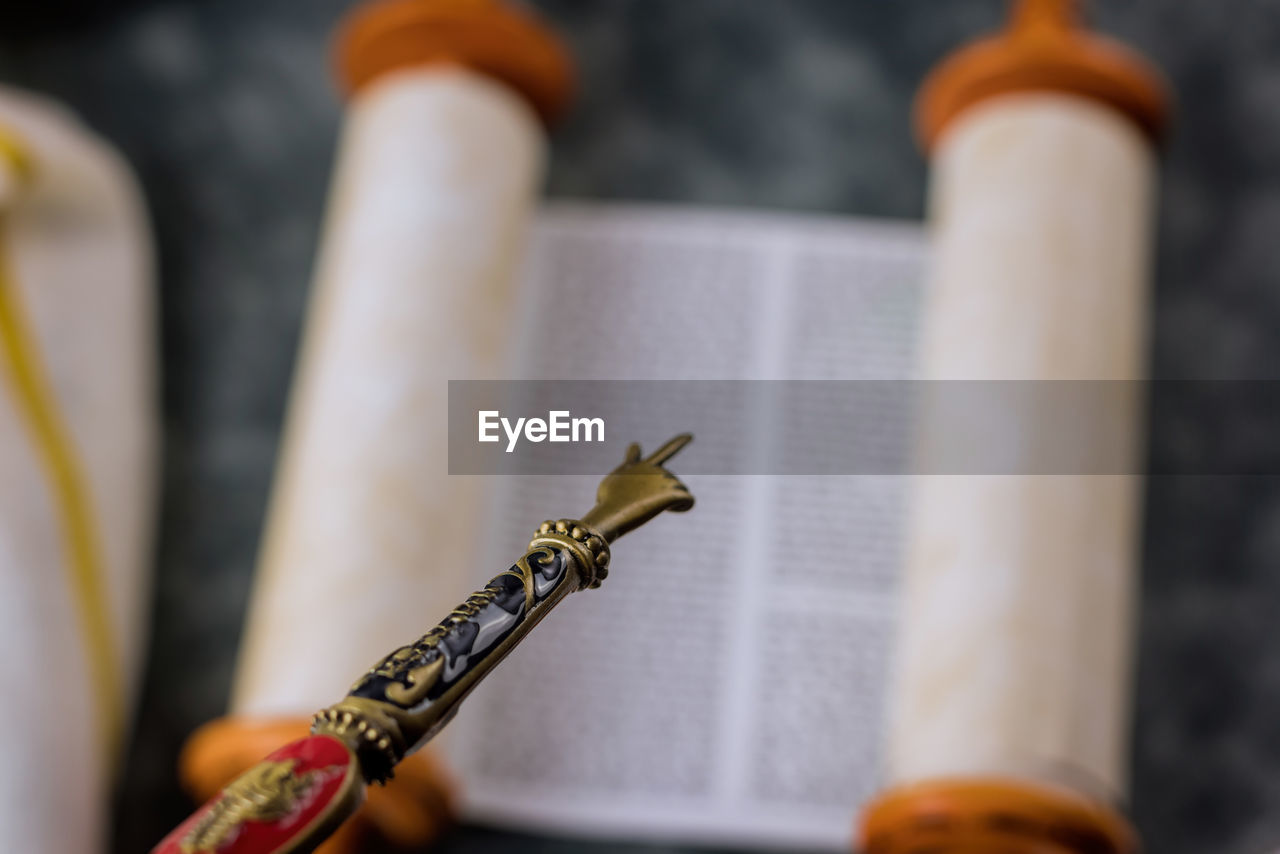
column 36, row 403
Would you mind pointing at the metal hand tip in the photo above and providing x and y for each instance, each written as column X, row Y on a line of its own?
column 667, row 451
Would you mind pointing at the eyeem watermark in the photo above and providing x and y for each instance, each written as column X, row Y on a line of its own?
column 558, row 426
column 863, row 427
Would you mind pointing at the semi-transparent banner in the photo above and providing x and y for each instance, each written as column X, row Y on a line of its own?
column 869, row 426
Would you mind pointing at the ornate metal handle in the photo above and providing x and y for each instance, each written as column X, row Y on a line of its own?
column 293, row 799
column 408, row 696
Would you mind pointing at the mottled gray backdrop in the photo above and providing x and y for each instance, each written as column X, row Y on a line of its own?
column 227, row 111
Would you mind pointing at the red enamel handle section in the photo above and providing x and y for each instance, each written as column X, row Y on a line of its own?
column 286, row 804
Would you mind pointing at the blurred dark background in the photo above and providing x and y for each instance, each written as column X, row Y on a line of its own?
column 227, row 111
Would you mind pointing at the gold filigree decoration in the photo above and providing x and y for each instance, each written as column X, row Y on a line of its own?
column 267, row 792
column 590, row 547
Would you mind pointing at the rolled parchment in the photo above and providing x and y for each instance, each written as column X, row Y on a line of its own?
column 78, row 454
column 438, row 167
column 1010, row 695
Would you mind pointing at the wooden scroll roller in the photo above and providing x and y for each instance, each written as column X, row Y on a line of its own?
column 1009, row 707
column 438, row 169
